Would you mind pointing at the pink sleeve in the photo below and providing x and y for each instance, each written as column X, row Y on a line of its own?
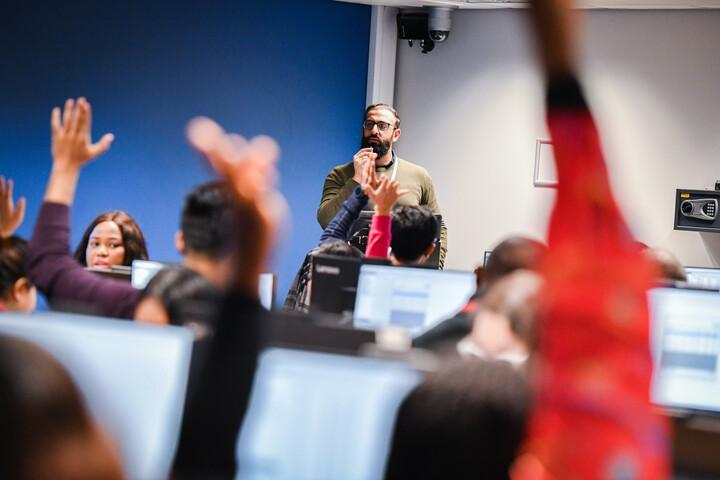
column 380, row 235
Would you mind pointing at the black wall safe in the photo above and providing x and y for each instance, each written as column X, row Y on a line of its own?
column 697, row 210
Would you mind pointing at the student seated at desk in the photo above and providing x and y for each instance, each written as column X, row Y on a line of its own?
column 511, row 254
column 202, row 239
column 112, row 238
column 404, row 234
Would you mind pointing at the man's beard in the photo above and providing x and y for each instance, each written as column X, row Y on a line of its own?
column 380, row 147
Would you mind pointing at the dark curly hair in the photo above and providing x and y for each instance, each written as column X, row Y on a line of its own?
column 414, row 229
column 207, row 220
column 12, row 258
column 132, row 237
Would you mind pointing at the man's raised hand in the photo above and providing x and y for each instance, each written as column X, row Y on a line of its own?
column 385, row 195
column 11, row 216
column 72, row 145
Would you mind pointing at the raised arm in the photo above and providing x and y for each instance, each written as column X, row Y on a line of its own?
column 72, row 148
column 250, row 171
column 49, row 262
column 592, row 417
column 385, row 195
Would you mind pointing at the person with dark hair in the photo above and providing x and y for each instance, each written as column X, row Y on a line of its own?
column 464, row 421
column 17, row 292
column 407, row 236
column 59, row 276
column 414, row 231
column 112, row 238
column 179, row 296
column 380, row 131
column 47, row 431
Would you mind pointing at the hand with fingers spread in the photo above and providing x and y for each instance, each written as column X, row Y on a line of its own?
column 11, row 216
column 385, row 195
column 250, row 171
column 72, row 148
column 72, row 145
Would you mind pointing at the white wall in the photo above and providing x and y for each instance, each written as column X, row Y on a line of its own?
column 472, row 110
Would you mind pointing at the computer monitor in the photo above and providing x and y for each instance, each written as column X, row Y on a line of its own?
column 703, row 277
column 334, row 282
column 143, row 271
column 321, row 416
column 685, row 342
column 416, row 299
column 133, row 378
column 116, row 272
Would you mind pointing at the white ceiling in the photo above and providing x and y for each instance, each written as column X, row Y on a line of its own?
column 484, row 4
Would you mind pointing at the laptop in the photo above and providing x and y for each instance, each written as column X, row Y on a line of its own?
column 416, row 299
column 685, row 342
column 133, row 378
column 321, row 416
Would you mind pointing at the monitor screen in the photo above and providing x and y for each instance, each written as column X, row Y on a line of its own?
column 685, row 342
column 132, row 376
column 319, row 416
column 703, row 277
column 416, row 299
column 143, row 271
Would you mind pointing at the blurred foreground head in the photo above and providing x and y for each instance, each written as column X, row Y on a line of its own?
column 46, row 430
column 512, row 254
column 464, row 421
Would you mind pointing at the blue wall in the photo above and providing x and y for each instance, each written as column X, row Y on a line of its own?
column 295, row 70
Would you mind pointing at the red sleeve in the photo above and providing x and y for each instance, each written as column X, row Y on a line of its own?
column 592, row 417
column 379, row 237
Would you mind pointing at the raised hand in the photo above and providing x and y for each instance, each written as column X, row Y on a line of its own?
column 11, row 216
column 72, row 145
column 385, row 195
column 249, row 168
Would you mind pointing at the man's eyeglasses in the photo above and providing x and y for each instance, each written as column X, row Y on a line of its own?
column 369, row 124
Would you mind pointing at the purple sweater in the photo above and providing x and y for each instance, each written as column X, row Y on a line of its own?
column 59, row 276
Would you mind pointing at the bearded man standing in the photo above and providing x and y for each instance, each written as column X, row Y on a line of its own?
column 380, row 130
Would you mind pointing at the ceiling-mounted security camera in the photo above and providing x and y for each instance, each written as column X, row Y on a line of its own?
column 429, row 25
column 439, row 23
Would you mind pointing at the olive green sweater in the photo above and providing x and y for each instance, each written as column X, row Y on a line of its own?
column 414, row 178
